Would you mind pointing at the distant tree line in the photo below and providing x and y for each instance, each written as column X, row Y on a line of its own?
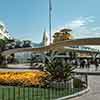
column 11, row 44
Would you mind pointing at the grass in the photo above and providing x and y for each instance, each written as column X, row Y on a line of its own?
column 33, row 93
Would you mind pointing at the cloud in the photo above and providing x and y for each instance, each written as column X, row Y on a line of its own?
column 96, row 28
column 90, row 19
column 84, row 27
column 76, row 24
column 80, row 22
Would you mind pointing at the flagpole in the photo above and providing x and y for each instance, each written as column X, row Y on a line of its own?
column 50, row 8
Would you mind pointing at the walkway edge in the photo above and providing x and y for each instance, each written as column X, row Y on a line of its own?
column 74, row 95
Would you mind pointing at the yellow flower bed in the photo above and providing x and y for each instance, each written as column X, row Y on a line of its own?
column 28, row 78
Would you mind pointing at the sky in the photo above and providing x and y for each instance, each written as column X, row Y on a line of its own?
column 27, row 19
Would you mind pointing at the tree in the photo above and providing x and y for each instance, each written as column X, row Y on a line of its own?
column 3, row 61
column 18, row 44
column 26, row 43
column 4, row 42
column 58, row 69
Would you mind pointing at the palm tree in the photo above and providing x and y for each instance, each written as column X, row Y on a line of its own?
column 59, row 69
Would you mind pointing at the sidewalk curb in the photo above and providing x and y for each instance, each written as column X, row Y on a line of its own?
column 74, row 95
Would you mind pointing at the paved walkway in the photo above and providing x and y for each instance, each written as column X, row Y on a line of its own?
column 91, row 71
column 94, row 85
column 20, row 66
column 94, row 93
column 15, row 70
column 92, row 68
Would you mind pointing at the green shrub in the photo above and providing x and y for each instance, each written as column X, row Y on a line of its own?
column 77, row 83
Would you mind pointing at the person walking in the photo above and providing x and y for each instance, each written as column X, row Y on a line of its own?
column 88, row 64
column 96, row 65
column 82, row 63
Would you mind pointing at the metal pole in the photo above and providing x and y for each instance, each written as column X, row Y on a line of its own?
column 50, row 8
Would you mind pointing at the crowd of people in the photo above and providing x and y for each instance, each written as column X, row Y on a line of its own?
column 85, row 63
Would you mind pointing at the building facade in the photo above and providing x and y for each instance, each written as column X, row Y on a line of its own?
column 62, row 35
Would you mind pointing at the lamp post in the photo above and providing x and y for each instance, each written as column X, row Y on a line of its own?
column 50, row 9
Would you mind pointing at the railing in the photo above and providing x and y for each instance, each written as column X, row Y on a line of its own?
column 27, row 93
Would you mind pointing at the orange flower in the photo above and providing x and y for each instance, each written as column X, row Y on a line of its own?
column 22, row 78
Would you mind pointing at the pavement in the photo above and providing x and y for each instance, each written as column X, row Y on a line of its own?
column 91, row 69
column 20, row 66
column 94, row 85
column 17, row 67
column 94, row 92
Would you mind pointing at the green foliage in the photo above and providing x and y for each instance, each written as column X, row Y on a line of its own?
column 77, row 83
column 3, row 42
column 2, row 61
column 27, row 43
column 59, row 70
